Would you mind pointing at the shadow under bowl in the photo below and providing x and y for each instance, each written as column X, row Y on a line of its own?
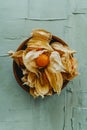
column 17, row 70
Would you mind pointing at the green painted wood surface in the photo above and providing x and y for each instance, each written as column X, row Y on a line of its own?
column 18, row 110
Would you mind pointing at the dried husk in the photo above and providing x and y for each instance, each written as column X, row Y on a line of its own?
column 55, row 63
column 17, row 56
column 55, row 80
column 62, row 48
column 47, row 80
column 42, row 34
column 34, row 93
column 29, row 60
column 70, row 63
column 39, row 43
column 42, row 90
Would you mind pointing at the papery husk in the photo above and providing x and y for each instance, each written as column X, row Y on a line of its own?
column 41, row 90
column 55, row 80
column 29, row 60
column 39, row 43
column 62, row 48
column 17, row 56
column 42, row 85
column 50, row 93
column 25, row 71
column 53, row 72
column 69, row 76
column 42, row 34
column 24, row 80
column 55, row 63
column 31, row 79
column 33, row 92
column 70, row 63
column 66, row 61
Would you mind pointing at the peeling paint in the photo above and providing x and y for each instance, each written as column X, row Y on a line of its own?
column 64, row 109
column 72, row 124
column 69, row 89
column 78, row 13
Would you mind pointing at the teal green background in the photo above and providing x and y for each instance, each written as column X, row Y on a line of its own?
column 18, row 110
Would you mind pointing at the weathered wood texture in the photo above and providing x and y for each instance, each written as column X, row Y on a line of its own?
column 18, row 110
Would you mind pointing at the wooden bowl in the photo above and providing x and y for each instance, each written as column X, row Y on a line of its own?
column 17, row 71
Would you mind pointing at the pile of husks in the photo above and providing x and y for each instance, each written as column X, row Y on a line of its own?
column 45, row 66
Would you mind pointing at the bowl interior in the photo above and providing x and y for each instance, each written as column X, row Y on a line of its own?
column 17, row 71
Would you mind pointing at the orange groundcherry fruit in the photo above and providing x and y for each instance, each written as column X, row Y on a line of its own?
column 42, row 60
